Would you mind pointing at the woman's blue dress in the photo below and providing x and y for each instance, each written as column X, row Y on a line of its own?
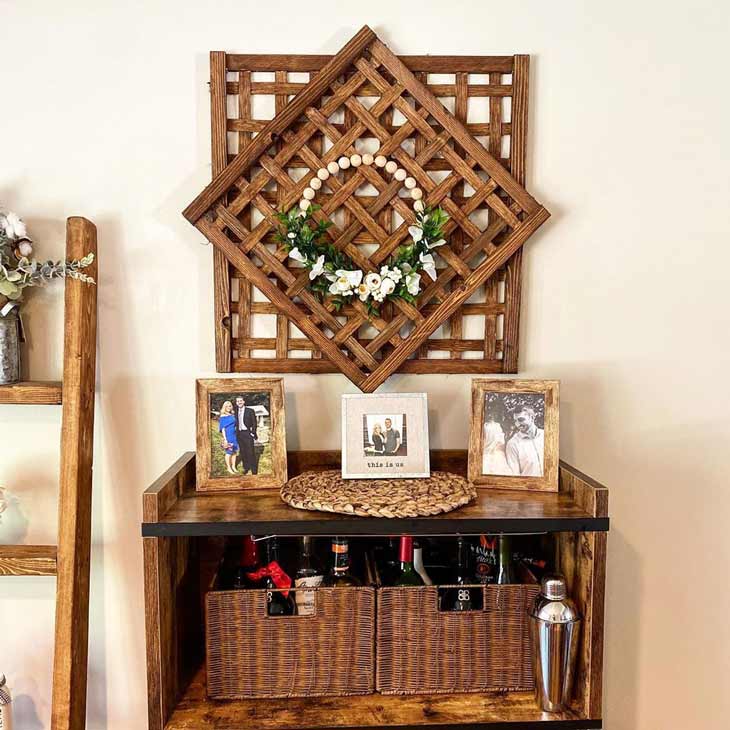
column 227, row 426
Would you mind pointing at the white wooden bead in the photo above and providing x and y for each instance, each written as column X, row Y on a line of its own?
column 410, row 183
column 344, row 163
column 323, row 173
column 367, row 159
column 333, row 167
column 308, row 193
column 416, row 193
column 391, row 166
column 315, row 183
column 418, row 206
column 380, row 161
column 400, row 174
column 304, row 204
column 355, row 160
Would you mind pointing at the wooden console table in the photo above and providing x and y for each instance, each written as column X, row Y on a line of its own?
column 176, row 519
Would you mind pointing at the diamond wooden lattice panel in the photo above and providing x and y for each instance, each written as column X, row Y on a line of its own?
column 322, row 123
column 487, row 93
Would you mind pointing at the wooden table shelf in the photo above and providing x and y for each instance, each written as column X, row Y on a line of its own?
column 179, row 524
column 491, row 710
column 172, row 507
column 27, row 560
column 31, row 392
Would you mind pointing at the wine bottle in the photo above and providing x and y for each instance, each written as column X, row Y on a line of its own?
column 277, row 583
column 406, row 574
column 486, row 560
column 248, row 563
column 309, row 575
column 505, row 567
column 339, row 575
column 418, row 563
column 462, row 598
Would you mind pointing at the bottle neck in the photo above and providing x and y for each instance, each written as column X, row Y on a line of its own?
column 462, row 557
column 272, row 550
column 405, row 550
column 250, row 552
column 340, row 555
column 306, row 546
column 505, row 552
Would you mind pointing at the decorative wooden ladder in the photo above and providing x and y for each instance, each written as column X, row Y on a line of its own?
column 70, row 561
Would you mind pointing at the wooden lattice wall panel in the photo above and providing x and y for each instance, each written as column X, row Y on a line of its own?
column 488, row 93
column 330, row 117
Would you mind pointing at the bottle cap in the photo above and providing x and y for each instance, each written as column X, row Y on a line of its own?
column 553, row 587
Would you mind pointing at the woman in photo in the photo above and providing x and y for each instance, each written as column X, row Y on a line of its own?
column 227, row 428
column 378, row 440
column 494, row 456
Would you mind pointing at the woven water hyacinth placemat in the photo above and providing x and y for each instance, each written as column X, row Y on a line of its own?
column 327, row 491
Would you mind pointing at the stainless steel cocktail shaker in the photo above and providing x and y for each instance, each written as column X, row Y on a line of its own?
column 554, row 627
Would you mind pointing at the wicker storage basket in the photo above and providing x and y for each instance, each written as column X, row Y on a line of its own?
column 252, row 654
column 421, row 649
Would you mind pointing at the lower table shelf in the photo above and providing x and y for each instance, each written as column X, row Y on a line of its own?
column 493, row 710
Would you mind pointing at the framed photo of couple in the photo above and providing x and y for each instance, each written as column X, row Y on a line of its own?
column 385, row 436
column 513, row 442
column 241, row 434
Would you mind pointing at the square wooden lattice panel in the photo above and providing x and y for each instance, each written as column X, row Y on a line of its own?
column 364, row 92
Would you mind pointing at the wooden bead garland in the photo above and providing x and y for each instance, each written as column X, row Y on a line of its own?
column 355, row 160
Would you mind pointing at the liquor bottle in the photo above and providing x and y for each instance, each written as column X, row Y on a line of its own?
column 406, row 574
column 339, row 575
column 389, row 569
column 486, row 560
column 418, row 563
column 309, row 575
column 277, row 583
column 462, row 599
column 248, row 563
column 505, row 567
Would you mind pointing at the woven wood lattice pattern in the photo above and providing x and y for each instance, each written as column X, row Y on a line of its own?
column 474, row 651
column 327, row 491
column 323, row 122
column 488, row 94
column 251, row 654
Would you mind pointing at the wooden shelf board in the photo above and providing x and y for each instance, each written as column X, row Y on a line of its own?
column 29, row 392
column 27, row 560
column 491, row 710
column 181, row 511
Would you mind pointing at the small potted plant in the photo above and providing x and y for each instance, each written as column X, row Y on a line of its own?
column 18, row 271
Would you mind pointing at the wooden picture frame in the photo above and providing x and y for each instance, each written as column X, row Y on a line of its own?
column 512, row 459
column 261, row 459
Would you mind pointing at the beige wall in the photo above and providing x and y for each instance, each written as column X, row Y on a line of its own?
column 104, row 113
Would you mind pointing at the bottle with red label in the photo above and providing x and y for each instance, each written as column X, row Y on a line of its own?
column 486, row 559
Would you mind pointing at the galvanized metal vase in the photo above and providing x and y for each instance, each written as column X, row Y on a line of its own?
column 10, row 347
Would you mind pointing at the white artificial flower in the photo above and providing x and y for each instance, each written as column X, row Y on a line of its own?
column 378, row 296
column 291, row 235
column 436, row 244
column 341, row 286
column 363, row 292
column 13, row 227
column 353, row 277
column 25, row 248
column 387, row 286
column 372, row 281
column 297, row 255
column 413, row 283
column 317, row 269
column 428, row 265
column 395, row 273
column 416, row 233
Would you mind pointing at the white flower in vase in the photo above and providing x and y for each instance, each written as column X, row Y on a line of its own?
column 317, row 269
column 428, row 264
column 372, row 281
column 413, row 283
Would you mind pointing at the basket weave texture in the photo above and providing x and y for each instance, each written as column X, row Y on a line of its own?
column 423, row 650
column 327, row 491
column 251, row 654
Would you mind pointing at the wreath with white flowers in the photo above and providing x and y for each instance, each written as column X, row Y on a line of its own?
column 332, row 274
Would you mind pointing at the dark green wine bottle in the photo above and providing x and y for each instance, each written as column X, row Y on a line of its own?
column 406, row 574
column 505, row 566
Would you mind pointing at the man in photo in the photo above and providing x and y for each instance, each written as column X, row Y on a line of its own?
column 246, row 435
column 392, row 438
column 526, row 448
